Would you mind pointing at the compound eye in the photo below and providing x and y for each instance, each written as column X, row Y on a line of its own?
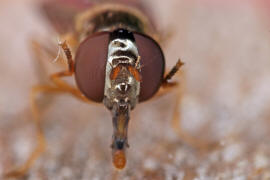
column 90, row 66
column 153, row 64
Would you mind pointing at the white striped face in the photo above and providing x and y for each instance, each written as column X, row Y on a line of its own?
column 123, row 49
column 121, row 52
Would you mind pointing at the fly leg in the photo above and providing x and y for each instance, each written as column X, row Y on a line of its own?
column 179, row 130
column 41, row 141
column 43, row 51
column 47, row 50
column 56, row 78
column 59, row 86
column 40, row 50
column 176, row 120
column 172, row 72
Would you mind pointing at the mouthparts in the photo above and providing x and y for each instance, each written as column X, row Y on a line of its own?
column 120, row 112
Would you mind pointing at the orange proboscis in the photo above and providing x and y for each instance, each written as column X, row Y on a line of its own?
column 135, row 73
column 119, row 159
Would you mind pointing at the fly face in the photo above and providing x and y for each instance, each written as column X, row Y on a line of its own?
column 121, row 70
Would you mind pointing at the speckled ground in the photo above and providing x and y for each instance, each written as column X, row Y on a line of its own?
column 226, row 99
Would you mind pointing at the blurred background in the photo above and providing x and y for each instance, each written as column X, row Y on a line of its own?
column 226, row 99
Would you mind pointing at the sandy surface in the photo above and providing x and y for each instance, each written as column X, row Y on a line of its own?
column 226, row 50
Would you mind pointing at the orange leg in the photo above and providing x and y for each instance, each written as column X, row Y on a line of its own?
column 185, row 136
column 47, row 50
column 176, row 121
column 56, row 78
column 19, row 172
column 41, row 145
column 60, row 87
column 173, row 71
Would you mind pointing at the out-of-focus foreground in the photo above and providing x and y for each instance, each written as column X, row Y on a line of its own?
column 226, row 50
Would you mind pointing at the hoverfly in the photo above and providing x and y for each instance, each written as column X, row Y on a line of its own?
column 112, row 51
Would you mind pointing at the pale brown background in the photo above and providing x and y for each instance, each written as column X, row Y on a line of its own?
column 226, row 50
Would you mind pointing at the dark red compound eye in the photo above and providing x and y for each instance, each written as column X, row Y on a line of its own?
column 90, row 65
column 153, row 64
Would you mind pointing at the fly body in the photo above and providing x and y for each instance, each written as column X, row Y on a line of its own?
column 123, row 67
column 113, row 53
